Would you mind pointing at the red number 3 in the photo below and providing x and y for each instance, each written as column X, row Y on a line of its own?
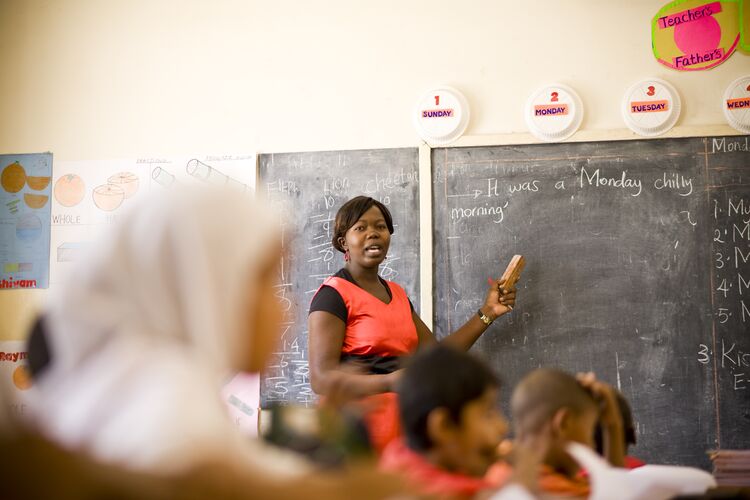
column 651, row 90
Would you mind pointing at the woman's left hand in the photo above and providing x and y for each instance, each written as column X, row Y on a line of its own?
column 500, row 300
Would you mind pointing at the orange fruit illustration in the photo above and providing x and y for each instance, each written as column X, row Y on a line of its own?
column 37, row 183
column 22, row 377
column 13, row 178
column 35, row 200
column 69, row 190
column 108, row 196
column 127, row 181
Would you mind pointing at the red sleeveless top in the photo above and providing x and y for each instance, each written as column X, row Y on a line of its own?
column 374, row 327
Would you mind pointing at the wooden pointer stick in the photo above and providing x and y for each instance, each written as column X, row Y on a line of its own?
column 513, row 271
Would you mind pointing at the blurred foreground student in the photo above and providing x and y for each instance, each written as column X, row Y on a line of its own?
column 131, row 353
column 568, row 409
column 555, row 403
column 452, row 426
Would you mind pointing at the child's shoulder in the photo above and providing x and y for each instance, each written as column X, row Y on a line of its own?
column 553, row 482
column 499, row 473
column 426, row 477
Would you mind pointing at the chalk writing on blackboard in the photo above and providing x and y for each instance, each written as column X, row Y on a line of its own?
column 638, row 268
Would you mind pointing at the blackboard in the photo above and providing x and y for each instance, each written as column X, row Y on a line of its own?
column 638, row 268
column 307, row 189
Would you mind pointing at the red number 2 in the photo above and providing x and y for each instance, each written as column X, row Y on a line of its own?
column 554, row 97
column 437, row 100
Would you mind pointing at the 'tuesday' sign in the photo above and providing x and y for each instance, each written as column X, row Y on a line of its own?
column 651, row 107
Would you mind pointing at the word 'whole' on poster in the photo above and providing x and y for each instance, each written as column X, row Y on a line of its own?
column 25, row 191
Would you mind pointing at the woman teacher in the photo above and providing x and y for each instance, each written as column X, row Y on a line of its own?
column 358, row 316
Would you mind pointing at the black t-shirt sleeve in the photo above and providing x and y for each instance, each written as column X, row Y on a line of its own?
column 411, row 305
column 329, row 300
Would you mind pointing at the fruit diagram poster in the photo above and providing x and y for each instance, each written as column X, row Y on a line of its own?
column 25, row 206
column 88, row 196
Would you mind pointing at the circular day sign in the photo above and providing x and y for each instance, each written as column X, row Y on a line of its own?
column 554, row 113
column 651, row 107
column 441, row 115
column 737, row 104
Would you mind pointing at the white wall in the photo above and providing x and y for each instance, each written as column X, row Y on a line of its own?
column 98, row 79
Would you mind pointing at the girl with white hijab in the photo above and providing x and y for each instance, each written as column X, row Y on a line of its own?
column 178, row 296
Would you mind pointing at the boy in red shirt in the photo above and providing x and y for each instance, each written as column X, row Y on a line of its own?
column 452, row 426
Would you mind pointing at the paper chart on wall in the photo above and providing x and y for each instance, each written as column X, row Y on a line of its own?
column 88, row 196
column 24, row 220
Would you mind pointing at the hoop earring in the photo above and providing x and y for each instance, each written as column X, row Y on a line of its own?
column 347, row 257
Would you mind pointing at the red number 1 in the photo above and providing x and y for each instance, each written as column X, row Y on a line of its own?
column 437, row 100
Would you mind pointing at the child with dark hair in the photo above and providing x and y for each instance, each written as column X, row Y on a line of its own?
column 451, row 426
column 567, row 409
column 628, row 427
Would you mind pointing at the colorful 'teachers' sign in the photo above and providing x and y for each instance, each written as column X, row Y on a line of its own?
column 691, row 35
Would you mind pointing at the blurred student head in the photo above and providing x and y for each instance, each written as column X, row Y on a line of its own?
column 554, row 402
column 449, row 411
column 175, row 297
column 195, row 268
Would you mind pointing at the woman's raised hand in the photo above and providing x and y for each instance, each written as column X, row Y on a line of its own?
column 500, row 299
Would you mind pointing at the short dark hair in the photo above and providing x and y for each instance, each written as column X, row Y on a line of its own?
column 439, row 377
column 350, row 212
column 539, row 395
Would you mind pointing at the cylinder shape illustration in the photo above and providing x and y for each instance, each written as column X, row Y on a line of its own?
column 205, row 172
column 162, row 177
